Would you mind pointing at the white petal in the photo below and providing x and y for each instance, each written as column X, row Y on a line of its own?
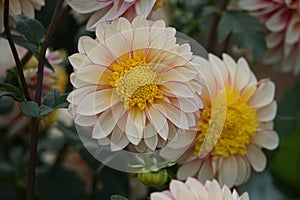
column 92, row 74
column 277, row 21
column 158, row 121
column 242, row 75
column 267, row 138
column 159, row 196
column 144, row 7
column 263, row 96
column 231, row 66
column 198, row 190
column 175, row 115
column 228, row 172
column 242, row 170
column 78, row 94
column 176, row 89
column 180, row 73
column 117, row 45
column 97, row 52
column 78, row 60
column 214, row 191
column 150, row 137
column 87, row 6
column 206, row 171
column 257, row 158
column 267, row 113
column 85, row 120
column 118, row 140
column 97, row 102
column 132, row 133
column 189, row 169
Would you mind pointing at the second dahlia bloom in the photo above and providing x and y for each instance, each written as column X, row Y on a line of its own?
column 282, row 22
column 108, row 10
column 234, row 125
column 21, row 7
column 192, row 189
column 134, row 84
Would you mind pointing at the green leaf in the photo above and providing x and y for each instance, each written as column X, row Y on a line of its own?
column 6, row 105
column 53, row 99
column 11, row 90
column 32, row 29
column 45, row 110
column 30, row 109
column 246, row 30
column 117, row 197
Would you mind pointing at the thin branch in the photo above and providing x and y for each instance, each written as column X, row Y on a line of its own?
column 50, row 30
column 14, row 50
column 38, row 99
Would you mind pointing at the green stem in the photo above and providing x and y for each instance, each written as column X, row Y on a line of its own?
column 14, row 50
column 38, row 99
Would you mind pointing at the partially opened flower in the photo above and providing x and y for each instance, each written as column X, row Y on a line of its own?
column 234, row 126
column 20, row 7
column 192, row 189
column 282, row 22
column 134, row 84
column 108, row 10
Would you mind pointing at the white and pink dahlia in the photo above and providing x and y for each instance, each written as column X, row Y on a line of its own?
column 134, row 84
column 20, row 7
column 281, row 19
column 192, row 189
column 234, row 125
column 108, row 10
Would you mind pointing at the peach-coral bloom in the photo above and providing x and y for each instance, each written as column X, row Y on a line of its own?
column 108, row 10
column 235, row 124
column 21, row 7
column 192, row 189
column 134, row 84
column 282, row 22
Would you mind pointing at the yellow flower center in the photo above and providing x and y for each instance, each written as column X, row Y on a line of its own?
column 241, row 122
column 135, row 82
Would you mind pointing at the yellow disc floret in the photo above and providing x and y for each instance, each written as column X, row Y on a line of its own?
column 135, row 82
column 241, row 122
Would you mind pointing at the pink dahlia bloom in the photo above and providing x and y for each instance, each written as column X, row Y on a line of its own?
column 134, row 84
column 108, row 10
column 15, row 122
column 192, row 189
column 235, row 124
column 21, row 7
column 281, row 19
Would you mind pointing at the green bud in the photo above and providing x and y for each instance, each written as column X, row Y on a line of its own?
column 153, row 179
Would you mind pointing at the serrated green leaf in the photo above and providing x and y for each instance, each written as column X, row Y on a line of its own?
column 51, row 98
column 11, row 90
column 31, row 29
column 30, row 109
column 117, row 197
column 246, row 30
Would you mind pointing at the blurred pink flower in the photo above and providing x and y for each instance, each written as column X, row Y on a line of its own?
column 235, row 124
column 281, row 19
column 15, row 122
column 192, row 189
column 134, row 84
column 20, row 7
column 108, row 10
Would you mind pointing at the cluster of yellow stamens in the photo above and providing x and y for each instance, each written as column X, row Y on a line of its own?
column 135, row 82
column 240, row 123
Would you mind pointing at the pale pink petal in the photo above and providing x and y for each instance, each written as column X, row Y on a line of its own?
column 274, row 39
column 118, row 140
column 27, row 9
column 277, row 21
column 176, row 89
column 206, row 171
column 181, row 191
column 78, row 60
column 226, row 193
column 180, row 73
column 198, row 190
column 76, row 95
column 293, row 30
column 242, row 170
column 214, row 191
column 150, row 137
column 219, row 64
column 159, row 196
column 132, row 133
column 87, row 6
column 91, row 74
column 85, row 120
column 231, row 66
column 144, row 7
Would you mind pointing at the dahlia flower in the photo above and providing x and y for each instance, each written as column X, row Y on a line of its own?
column 234, row 125
column 192, row 189
column 134, row 85
column 108, row 10
column 20, row 7
column 15, row 122
column 282, row 22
